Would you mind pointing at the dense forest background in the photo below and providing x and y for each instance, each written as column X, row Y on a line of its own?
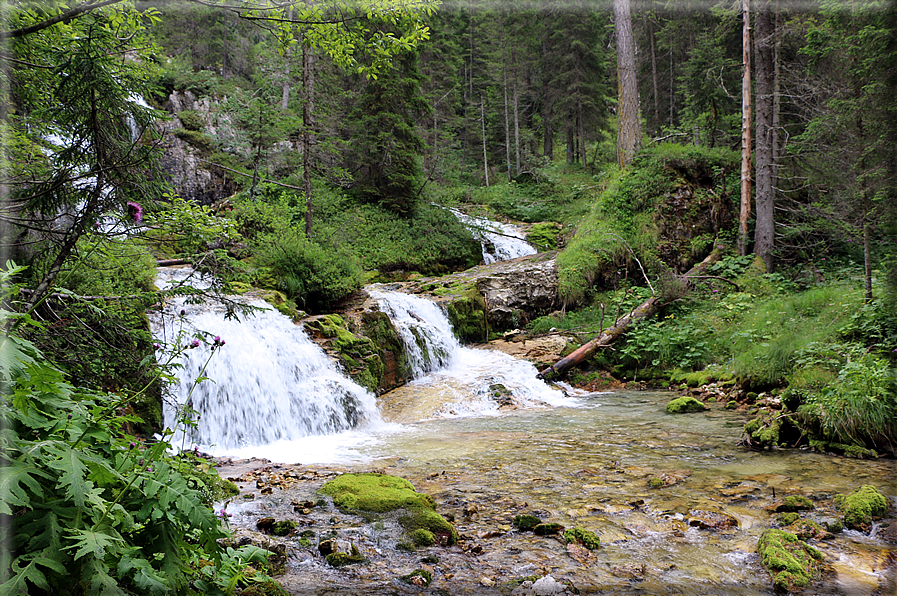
column 305, row 150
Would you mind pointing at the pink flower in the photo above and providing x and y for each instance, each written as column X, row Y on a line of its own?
column 135, row 211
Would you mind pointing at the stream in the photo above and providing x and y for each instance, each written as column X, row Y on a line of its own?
column 478, row 431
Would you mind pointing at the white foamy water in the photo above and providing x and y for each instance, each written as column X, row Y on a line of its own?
column 269, row 384
column 455, row 380
column 501, row 241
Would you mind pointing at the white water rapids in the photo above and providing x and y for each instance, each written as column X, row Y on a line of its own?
column 501, row 241
column 269, row 391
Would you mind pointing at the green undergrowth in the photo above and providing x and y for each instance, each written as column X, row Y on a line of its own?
column 662, row 213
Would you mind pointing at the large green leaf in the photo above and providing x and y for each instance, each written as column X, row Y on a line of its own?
column 25, row 570
column 15, row 481
column 96, row 543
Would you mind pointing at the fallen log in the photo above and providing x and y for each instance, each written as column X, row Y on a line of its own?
column 644, row 310
column 169, row 262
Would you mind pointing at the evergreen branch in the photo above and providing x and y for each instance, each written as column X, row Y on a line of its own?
column 63, row 17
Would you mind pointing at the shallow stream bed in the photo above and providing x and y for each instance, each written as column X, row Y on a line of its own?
column 586, row 465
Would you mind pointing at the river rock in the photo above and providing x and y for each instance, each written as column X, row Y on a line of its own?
column 519, row 291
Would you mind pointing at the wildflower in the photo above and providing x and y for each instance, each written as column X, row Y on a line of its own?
column 217, row 342
column 157, row 347
column 194, row 343
column 149, row 469
column 131, row 445
column 135, row 211
column 183, row 312
column 140, row 463
column 70, row 416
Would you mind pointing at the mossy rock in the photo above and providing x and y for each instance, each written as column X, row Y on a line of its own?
column 467, row 313
column 284, row 527
column 419, row 577
column 763, row 432
column 525, row 523
column 548, row 529
column 427, row 519
column 796, row 503
column 702, row 377
column 684, row 405
column 586, row 538
column 342, row 559
column 378, row 493
column 807, row 529
column 786, row 519
column 731, row 405
column 791, row 562
column 655, row 482
column 862, row 506
column 422, row 537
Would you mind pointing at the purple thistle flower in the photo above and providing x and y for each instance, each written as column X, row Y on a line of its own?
column 157, row 347
column 131, row 445
column 135, row 211
column 194, row 343
column 183, row 312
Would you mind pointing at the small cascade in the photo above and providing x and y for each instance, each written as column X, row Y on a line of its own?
column 268, row 382
column 457, row 380
column 501, row 241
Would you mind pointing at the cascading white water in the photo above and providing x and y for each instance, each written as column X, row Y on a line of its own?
column 460, row 380
column 501, row 241
column 268, row 382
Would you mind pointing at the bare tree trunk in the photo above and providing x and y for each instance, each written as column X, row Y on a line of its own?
column 582, row 132
column 745, row 212
column 308, row 130
column 764, row 228
column 483, row 126
column 516, row 127
column 629, row 135
column 548, row 139
column 504, row 77
column 285, row 96
column 655, row 87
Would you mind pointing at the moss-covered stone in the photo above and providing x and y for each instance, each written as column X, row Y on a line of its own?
column 786, row 519
column 862, row 506
column 284, row 527
column 586, row 538
column 419, row 577
column 685, row 404
column 807, row 529
column 655, row 482
column 422, row 537
column 834, row 526
column 731, row 404
column 791, row 562
column 378, row 493
column 548, row 529
column 342, row 559
column 525, row 523
column 795, row 503
column 702, row 377
column 467, row 313
column 763, row 432
column 544, row 235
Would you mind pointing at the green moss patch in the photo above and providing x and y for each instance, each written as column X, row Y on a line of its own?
column 791, row 562
column 586, row 538
column 342, row 559
column 467, row 314
column 380, row 493
column 684, row 405
column 525, row 523
column 862, row 506
column 548, row 529
column 418, row 577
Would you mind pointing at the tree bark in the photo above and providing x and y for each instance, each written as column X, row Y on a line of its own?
column 654, row 82
column 745, row 212
column 516, row 127
column 285, row 93
column 483, row 126
column 629, row 135
column 764, row 228
column 643, row 311
column 308, row 125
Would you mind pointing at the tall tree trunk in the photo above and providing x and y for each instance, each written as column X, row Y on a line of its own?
column 504, row 82
column 483, row 126
column 655, row 86
column 516, row 128
column 745, row 212
column 548, row 129
column 764, row 229
column 571, row 140
column 580, row 120
column 629, row 135
column 285, row 95
column 308, row 130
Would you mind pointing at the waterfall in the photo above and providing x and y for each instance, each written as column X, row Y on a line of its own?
column 501, row 241
column 469, row 380
column 267, row 383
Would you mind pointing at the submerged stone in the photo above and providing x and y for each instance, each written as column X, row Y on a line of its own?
column 419, row 577
column 548, row 529
column 795, row 503
column 526, row 523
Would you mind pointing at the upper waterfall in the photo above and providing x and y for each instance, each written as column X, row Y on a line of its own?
column 501, row 241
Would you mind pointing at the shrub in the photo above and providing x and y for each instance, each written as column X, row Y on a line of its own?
column 314, row 276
